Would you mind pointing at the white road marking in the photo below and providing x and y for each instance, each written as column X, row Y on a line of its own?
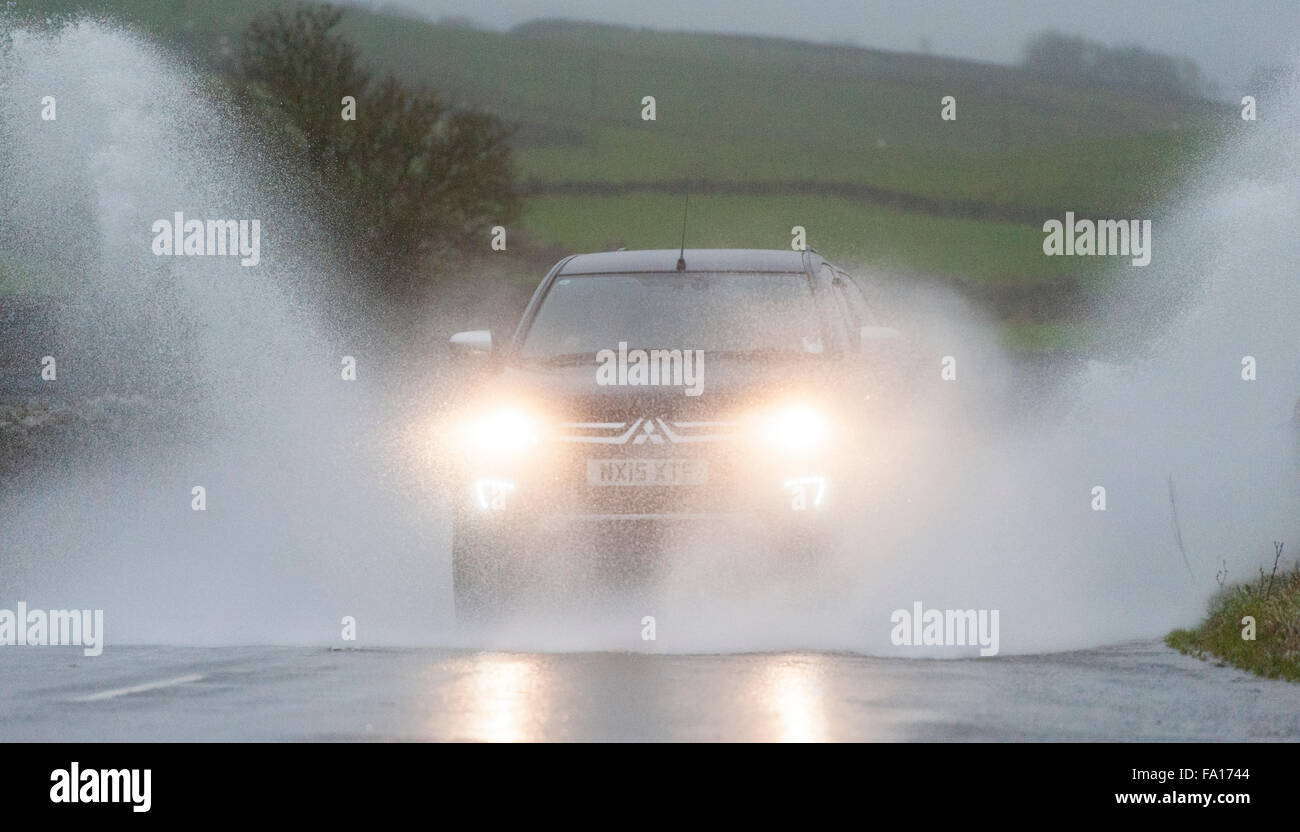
column 115, row 692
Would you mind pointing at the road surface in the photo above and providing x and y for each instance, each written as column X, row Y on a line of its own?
column 1136, row 691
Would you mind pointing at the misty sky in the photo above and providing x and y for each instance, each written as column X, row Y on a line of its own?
column 1227, row 38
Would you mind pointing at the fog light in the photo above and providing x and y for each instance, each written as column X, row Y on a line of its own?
column 490, row 495
column 806, row 492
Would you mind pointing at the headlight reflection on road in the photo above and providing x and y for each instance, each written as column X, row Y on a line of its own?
column 791, row 689
column 505, row 697
column 500, row 698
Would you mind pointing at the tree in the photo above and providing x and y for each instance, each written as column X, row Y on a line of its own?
column 1073, row 59
column 409, row 175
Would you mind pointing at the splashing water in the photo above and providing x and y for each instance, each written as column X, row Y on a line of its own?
column 315, row 511
column 305, row 522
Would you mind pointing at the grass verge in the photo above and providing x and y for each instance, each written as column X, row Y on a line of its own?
column 1273, row 601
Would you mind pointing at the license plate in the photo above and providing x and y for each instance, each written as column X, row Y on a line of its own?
column 647, row 471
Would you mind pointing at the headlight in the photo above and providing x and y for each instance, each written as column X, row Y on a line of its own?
column 794, row 428
column 499, row 433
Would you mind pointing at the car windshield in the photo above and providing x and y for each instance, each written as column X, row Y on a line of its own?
column 720, row 313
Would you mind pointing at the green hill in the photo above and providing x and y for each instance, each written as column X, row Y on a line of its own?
column 770, row 133
column 745, row 109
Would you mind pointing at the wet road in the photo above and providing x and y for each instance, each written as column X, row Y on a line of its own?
column 1138, row 691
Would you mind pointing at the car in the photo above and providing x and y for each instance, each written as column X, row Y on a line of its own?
column 648, row 388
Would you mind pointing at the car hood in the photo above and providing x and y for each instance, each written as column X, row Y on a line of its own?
column 572, row 392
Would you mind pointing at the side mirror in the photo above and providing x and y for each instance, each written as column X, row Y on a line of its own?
column 873, row 334
column 476, row 342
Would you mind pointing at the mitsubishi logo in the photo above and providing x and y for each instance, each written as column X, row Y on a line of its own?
column 647, row 429
column 648, row 434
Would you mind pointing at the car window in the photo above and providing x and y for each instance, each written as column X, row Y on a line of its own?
column 721, row 313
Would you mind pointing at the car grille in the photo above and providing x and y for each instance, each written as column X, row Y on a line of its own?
column 645, row 437
column 651, row 430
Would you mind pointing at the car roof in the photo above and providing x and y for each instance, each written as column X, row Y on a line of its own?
column 697, row 260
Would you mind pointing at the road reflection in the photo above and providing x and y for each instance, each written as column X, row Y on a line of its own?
column 791, row 688
column 500, row 698
column 503, row 697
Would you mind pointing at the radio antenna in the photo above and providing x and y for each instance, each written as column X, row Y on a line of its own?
column 686, row 210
